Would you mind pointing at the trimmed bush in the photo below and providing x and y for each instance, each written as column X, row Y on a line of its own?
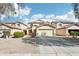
column 18, row 34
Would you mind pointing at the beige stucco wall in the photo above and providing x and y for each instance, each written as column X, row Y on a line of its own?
column 21, row 26
column 3, row 27
column 45, row 27
column 15, row 30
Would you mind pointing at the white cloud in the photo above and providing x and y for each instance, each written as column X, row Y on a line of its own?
column 25, row 20
column 42, row 17
column 24, row 11
column 61, row 17
column 52, row 16
column 38, row 16
column 2, row 17
column 50, row 20
column 70, row 17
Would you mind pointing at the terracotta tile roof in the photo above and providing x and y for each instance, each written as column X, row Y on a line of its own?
column 22, row 23
column 46, row 25
column 10, row 26
column 64, row 22
column 8, row 22
column 35, row 22
column 67, row 26
column 39, row 22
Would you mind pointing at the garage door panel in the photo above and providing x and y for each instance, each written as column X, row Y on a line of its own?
column 45, row 32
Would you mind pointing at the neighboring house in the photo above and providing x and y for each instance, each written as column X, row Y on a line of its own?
column 64, row 31
column 4, row 27
column 13, row 27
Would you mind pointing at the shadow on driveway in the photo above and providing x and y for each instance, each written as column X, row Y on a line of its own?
column 52, row 41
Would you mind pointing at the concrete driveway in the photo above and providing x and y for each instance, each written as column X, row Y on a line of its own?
column 44, row 46
column 55, row 46
column 15, row 46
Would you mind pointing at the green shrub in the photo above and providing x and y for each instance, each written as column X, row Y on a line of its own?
column 18, row 34
column 74, row 33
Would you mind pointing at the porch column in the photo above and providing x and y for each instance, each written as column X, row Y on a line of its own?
column 54, row 32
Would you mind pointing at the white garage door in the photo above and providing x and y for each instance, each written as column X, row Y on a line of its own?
column 45, row 32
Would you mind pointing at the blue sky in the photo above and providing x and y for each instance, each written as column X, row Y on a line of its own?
column 50, row 8
column 42, row 8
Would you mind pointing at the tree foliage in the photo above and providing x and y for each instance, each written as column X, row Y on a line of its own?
column 7, row 9
column 76, row 10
